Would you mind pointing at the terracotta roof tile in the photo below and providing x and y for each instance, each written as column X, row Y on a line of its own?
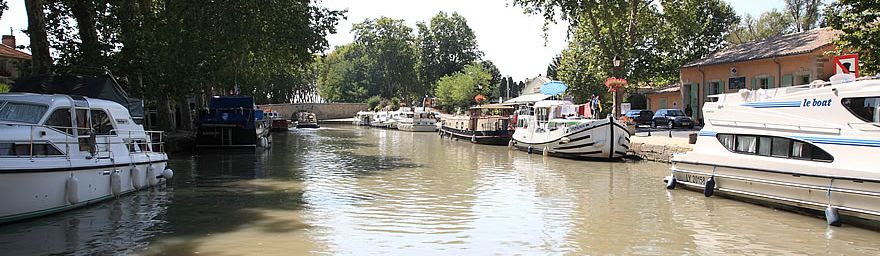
column 9, row 52
column 784, row 45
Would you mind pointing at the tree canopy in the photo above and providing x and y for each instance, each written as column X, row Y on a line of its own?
column 445, row 46
column 860, row 23
column 459, row 89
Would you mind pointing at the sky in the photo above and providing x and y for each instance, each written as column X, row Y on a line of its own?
column 512, row 40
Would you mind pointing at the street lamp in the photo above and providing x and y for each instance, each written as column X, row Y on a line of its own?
column 616, row 109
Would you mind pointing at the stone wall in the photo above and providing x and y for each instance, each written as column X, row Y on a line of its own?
column 324, row 111
column 657, row 153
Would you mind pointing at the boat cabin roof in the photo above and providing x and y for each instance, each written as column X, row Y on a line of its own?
column 551, row 103
column 493, row 106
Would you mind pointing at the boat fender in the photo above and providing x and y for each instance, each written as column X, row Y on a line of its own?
column 510, row 144
column 564, row 140
column 474, row 138
column 832, row 216
column 546, row 151
column 72, row 187
column 710, row 187
column 116, row 183
column 168, row 173
column 264, row 142
column 671, row 182
column 137, row 180
column 529, row 150
column 151, row 176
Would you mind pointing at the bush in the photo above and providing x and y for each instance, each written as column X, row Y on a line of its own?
column 395, row 104
column 4, row 88
column 373, row 102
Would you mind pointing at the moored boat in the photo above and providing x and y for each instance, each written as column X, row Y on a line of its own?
column 278, row 124
column 553, row 127
column 809, row 148
column 418, row 122
column 233, row 121
column 60, row 151
column 487, row 124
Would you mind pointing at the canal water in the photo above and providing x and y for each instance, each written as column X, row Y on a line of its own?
column 347, row 190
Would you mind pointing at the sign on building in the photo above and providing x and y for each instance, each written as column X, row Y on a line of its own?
column 847, row 64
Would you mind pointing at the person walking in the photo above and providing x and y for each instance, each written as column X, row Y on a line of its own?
column 594, row 105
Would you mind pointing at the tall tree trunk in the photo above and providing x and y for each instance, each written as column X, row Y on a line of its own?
column 42, row 61
column 84, row 13
column 166, row 114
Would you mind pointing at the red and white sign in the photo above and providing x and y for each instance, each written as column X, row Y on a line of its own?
column 847, row 64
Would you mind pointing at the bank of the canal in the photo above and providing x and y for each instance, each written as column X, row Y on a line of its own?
column 347, row 190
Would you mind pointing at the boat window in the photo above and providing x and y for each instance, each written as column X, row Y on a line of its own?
column 764, row 146
column 24, row 149
column 22, row 112
column 101, row 122
column 865, row 108
column 781, row 147
column 772, row 146
column 745, row 144
column 60, row 119
column 726, row 140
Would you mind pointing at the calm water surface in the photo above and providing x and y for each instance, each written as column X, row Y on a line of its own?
column 352, row 191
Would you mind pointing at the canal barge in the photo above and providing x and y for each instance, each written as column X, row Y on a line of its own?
column 277, row 123
column 306, row 120
column 487, row 124
column 232, row 121
column 553, row 127
column 64, row 151
column 811, row 147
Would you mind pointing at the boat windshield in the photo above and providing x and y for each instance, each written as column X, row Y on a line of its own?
column 21, row 112
column 867, row 108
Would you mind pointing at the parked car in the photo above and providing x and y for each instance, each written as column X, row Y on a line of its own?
column 671, row 118
column 640, row 116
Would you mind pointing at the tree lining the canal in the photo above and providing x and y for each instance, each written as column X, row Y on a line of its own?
column 165, row 51
column 388, row 60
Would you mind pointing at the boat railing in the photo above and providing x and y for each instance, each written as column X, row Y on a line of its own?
column 804, row 128
column 154, row 141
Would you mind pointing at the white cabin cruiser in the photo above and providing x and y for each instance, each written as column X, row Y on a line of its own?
column 379, row 119
column 553, row 127
column 810, row 147
column 59, row 152
column 417, row 122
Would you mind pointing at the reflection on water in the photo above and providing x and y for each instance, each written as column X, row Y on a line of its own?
column 349, row 190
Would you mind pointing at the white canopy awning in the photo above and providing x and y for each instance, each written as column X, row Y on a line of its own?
column 528, row 98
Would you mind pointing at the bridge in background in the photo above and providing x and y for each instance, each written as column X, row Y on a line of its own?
column 322, row 110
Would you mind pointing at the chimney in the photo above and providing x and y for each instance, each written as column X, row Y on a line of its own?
column 9, row 40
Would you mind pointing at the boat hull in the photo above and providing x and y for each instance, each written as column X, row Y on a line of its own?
column 479, row 137
column 602, row 140
column 417, row 128
column 279, row 125
column 307, row 126
column 795, row 191
column 29, row 193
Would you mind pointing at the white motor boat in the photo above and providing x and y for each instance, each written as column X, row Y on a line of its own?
column 362, row 118
column 809, row 148
column 553, row 127
column 417, row 122
column 59, row 152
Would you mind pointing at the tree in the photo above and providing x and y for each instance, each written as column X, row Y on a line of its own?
column 769, row 24
column 861, row 31
column 495, row 79
column 343, row 76
column 42, row 61
column 391, row 45
column 803, row 13
column 459, row 89
column 3, row 7
column 445, row 46
column 552, row 68
column 693, row 29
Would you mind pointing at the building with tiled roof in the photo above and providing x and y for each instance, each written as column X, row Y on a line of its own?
column 780, row 61
column 10, row 60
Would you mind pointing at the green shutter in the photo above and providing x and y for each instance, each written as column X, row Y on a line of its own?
column 663, row 103
column 770, row 82
column 721, row 88
column 754, row 83
column 787, row 80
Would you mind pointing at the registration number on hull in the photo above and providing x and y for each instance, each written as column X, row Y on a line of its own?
column 693, row 178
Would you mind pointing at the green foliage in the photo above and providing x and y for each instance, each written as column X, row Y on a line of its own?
column 459, row 89
column 389, row 45
column 176, row 48
column 343, row 76
column 395, row 104
column 693, row 29
column 373, row 102
column 860, row 23
column 803, row 13
column 552, row 68
column 769, row 24
column 4, row 88
column 445, row 46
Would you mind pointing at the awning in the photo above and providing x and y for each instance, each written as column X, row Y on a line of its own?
column 528, row 98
